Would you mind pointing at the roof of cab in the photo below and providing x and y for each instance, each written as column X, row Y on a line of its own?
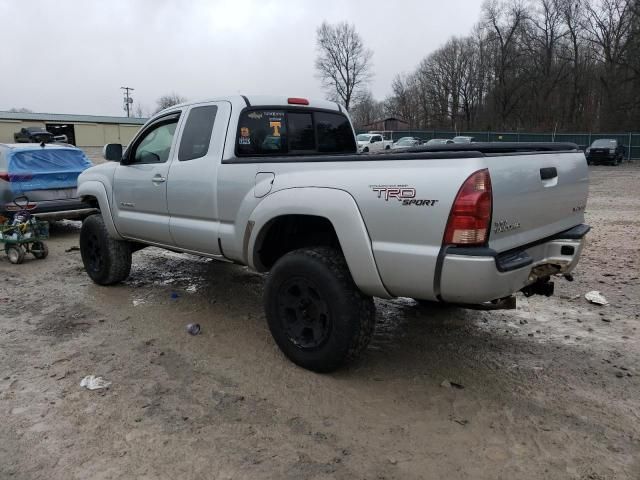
column 263, row 100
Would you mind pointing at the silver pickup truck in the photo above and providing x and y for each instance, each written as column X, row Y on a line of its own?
column 276, row 184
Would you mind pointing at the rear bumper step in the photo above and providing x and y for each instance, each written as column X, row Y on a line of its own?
column 478, row 275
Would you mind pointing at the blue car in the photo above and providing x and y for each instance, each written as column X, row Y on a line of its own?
column 47, row 174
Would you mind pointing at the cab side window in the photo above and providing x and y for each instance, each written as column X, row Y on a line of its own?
column 196, row 135
column 155, row 144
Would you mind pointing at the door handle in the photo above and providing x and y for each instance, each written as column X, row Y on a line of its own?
column 548, row 173
column 159, row 179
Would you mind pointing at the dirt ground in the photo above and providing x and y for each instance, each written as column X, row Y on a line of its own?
column 548, row 391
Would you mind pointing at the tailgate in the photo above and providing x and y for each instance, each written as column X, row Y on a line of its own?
column 536, row 196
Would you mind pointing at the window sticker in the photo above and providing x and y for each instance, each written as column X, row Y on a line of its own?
column 255, row 115
column 244, row 139
column 276, row 128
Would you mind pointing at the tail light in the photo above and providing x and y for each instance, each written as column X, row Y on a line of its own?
column 297, row 101
column 15, row 177
column 12, row 207
column 470, row 216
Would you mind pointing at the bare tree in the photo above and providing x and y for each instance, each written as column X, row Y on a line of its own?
column 140, row 111
column 343, row 63
column 20, row 110
column 169, row 100
column 366, row 110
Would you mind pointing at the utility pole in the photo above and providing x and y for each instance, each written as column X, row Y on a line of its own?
column 127, row 99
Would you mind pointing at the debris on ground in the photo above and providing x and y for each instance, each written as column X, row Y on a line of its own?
column 91, row 382
column 174, row 295
column 138, row 301
column 75, row 248
column 594, row 296
column 449, row 384
column 193, row 328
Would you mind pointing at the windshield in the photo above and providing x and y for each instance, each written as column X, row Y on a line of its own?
column 436, row 141
column 363, row 137
column 604, row 143
column 406, row 141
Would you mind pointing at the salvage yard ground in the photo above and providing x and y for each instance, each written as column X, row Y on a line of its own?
column 548, row 391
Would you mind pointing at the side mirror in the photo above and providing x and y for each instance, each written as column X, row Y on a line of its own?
column 112, row 152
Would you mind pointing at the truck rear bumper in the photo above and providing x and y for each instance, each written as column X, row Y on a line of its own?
column 477, row 275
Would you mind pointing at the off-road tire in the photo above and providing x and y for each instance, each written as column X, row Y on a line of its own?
column 106, row 260
column 15, row 253
column 350, row 313
column 39, row 250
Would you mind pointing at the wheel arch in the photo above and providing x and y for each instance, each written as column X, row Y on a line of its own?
column 325, row 216
column 94, row 192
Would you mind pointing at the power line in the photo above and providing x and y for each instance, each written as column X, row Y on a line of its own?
column 127, row 99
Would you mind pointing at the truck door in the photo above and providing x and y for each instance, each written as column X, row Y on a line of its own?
column 193, row 177
column 139, row 184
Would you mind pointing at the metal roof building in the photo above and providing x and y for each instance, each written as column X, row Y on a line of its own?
column 81, row 130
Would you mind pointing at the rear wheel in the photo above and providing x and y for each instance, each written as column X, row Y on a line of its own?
column 316, row 314
column 107, row 261
column 39, row 250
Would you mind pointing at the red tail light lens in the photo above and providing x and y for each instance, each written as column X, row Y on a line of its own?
column 4, row 176
column 470, row 216
column 297, row 101
column 12, row 207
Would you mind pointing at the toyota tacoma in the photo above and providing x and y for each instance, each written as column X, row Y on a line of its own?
column 277, row 184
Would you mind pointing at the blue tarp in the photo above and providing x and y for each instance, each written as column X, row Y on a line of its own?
column 45, row 168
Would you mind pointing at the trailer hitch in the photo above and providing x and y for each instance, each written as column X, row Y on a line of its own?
column 541, row 287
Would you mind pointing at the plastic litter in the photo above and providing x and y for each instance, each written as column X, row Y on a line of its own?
column 91, row 382
column 138, row 301
column 193, row 328
column 174, row 296
column 449, row 384
column 594, row 296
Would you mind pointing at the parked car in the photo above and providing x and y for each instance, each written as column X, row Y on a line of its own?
column 47, row 175
column 463, row 139
column 372, row 142
column 439, row 141
column 406, row 142
column 33, row 135
column 61, row 138
column 334, row 228
column 605, row 150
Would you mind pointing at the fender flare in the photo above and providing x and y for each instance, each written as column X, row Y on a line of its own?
column 96, row 189
column 337, row 206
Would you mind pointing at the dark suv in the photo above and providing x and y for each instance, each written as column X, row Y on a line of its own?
column 605, row 150
column 33, row 135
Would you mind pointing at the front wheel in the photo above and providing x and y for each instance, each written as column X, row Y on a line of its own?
column 316, row 314
column 15, row 253
column 107, row 261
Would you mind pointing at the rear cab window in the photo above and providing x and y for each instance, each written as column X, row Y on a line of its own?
column 287, row 131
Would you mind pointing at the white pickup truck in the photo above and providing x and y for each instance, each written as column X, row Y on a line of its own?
column 277, row 184
column 372, row 143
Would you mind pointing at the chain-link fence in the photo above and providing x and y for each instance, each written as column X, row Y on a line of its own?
column 631, row 141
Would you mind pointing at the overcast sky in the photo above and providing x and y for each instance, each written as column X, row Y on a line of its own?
column 73, row 56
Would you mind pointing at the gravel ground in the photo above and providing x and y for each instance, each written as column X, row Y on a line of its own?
column 548, row 391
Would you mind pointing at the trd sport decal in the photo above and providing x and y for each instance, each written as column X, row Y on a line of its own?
column 402, row 193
